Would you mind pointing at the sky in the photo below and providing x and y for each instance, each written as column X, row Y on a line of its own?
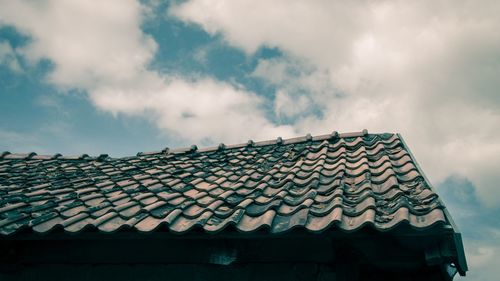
column 124, row 76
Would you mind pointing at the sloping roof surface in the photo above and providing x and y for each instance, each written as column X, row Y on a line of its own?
column 342, row 181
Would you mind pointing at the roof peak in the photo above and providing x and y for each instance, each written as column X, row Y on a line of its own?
column 193, row 148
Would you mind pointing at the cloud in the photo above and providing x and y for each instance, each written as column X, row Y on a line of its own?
column 202, row 110
column 428, row 70
column 285, row 24
column 88, row 43
column 8, row 57
column 99, row 48
column 480, row 226
column 288, row 105
column 295, row 80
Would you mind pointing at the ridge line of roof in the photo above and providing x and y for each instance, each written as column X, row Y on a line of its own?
column 192, row 148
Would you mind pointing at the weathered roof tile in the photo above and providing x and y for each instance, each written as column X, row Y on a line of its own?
column 332, row 181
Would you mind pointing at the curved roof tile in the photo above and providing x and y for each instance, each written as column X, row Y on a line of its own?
column 341, row 181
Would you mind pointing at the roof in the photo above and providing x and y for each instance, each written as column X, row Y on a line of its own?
column 342, row 181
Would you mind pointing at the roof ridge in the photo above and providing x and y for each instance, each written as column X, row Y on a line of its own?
column 278, row 140
column 189, row 149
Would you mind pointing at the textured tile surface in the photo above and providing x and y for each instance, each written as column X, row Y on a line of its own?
column 344, row 181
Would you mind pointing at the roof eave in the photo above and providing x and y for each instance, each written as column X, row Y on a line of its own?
column 461, row 261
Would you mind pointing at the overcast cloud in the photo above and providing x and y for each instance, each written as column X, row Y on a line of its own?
column 427, row 69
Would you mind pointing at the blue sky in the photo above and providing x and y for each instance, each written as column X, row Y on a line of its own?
column 119, row 77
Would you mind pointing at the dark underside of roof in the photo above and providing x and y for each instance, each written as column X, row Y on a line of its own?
column 347, row 184
column 367, row 254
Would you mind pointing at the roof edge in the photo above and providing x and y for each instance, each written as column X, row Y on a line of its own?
column 457, row 236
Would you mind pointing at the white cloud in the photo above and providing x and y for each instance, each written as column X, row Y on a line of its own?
column 428, row 70
column 293, row 26
column 288, row 105
column 302, row 88
column 88, row 42
column 196, row 110
column 99, row 47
